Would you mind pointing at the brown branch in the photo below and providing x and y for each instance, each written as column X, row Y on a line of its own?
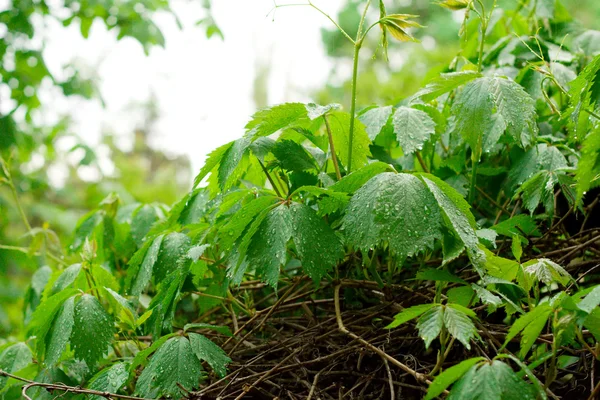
column 338, row 314
column 65, row 388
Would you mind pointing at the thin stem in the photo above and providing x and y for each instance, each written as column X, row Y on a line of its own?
column 275, row 188
column 14, row 248
column 357, row 46
column 421, row 161
column 593, row 114
column 362, row 19
column 13, row 189
column 332, row 149
column 333, row 21
column 484, row 23
column 473, row 180
column 353, row 104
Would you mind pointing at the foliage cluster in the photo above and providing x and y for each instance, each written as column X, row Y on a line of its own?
column 465, row 188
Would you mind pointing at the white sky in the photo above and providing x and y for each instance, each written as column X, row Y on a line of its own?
column 203, row 87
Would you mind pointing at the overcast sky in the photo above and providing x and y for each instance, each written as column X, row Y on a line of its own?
column 203, row 87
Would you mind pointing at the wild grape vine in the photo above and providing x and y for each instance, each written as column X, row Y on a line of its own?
column 458, row 185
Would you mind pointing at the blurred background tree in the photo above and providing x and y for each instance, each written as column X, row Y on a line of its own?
column 410, row 65
column 48, row 171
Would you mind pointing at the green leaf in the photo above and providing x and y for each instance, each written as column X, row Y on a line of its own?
column 531, row 325
column 85, row 227
column 123, row 307
column 142, row 221
column 375, row 119
column 319, row 249
column 397, row 24
column 13, row 359
column 270, row 120
column 473, row 108
column 491, row 381
column 443, row 84
column 545, row 9
column 173, row 364
column 516, row 247
column 267, row 248
column 487, row 297
column 531, row 332
column 42, row 317
column 292, row 156
column 454, row 5
column 449, row 376
column 583, row 96
column 173, row 249
column 430, row 324
column 315, row 111
column 547, row 271
column 355, row 180
column 144, row 274
column 459, row 324
column 409, row 313
column 461, row 221
column 213, row 160
column 396, row 209
column 517, row 225
column 588, row 167
column 539, row 188
column 443, row 275
column 229, row 169
column 592, row 323
column 65, row 279
column 412, row 128
column 462, row 295
column 141, row 357
column 207, row 351
column 480, row 99
column 340, row 130
column 199, row 325
column 591, row 301
column 60, row 332
column 109, row 379
column 237, row 223
column 517, row 109
column 238, row 262
column 487, row 236
column 92, row 332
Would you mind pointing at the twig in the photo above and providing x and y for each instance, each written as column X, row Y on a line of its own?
column 314, row 385
column 338, row 314
column 390, row 380
column 266, row 375
column 65, row 388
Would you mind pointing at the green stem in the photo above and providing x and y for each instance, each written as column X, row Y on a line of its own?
column 473, row 180
column 332, row 149
column 353, row 104
column 357, row 46
column 13, row 189
column 484, row 23
column 332, row 20
column 592, row 113
column 275, row 188
column 421, row 161
column 14, row 248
